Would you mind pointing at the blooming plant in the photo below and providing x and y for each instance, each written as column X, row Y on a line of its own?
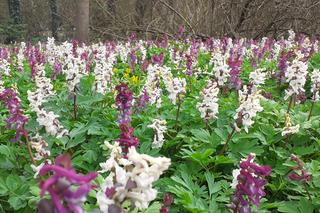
column 179, row 114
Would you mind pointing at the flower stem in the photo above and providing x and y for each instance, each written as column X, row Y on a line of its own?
column 29, row 149
column 307, row 191
column 311, row 110
column 178, row 113
column 290, row 104
column 224, row 148
column 74, row 104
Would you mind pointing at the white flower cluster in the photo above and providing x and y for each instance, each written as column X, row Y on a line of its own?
column 20, row 55
column 315, row 87
column 40, row 146
column 73, row 65
column 159, row 126
column 152, row 84
column 37, row 98
column 248, row 109
column 209, row 106
column 103, row 69
column 221, row 68
column 129, row 179
column 4, row 67
column 289, row 129
column 258, row 77
column 296, row 75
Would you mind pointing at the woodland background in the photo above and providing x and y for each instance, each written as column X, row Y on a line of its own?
column 34, row 20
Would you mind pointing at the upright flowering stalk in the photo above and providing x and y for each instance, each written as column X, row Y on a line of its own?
column 124, row 103
column 209, row 106
column 159, row 126
column 249, row 182
column 17, row 120
column 142, row 101
column 296, row 77
column 299, row 173
column 152, row 84
column 248, row 109
column 221, row 68
column 44, row 90
column 68, row 190
column 315, row 89
column 289, row 129
column 129, row 179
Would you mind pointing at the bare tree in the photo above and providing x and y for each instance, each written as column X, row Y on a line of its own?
column 82, row 22
column 55, row 18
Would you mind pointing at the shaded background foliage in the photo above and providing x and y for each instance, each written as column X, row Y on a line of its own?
column 116, row 19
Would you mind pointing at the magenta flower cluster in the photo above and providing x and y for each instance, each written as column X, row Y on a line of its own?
column 124, row 103
column 250, row 185
column 68, row 190
column 142, row 101
column 299, row 173
column 17, row 120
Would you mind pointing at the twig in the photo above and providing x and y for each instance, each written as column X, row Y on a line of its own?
column 29, row 149
column 179, row 14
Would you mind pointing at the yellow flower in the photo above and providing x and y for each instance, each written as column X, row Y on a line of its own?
column 127, row 71
column 135, row 79
column 115, row 70
column 126, row 75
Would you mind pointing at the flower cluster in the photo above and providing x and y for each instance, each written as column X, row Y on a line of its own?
column 299, row 173
column 142, row 101
column 36, row 98
column 288, row 128
column 257, row 77
column 209, row 105
column 68, row 190
column 129, row 179
column 221, row 68
column 249, row 182
column 248, row 109
column 17, row 119
column 175, row 86
column 152, row 84
column 159, row 126
column 296, row 75
column 167, row 202
column 315, row 86
column 124, row 103
column 40, row 146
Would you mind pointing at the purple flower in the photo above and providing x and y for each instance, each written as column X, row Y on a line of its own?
column 235, row 65
column 158, row 59
column 124, row 103
column 142, row 101
column 167, row 202
column 180, row 32
column 299, row 173
column 250, row 184
column 67, row 189
column 17, row 119
column 126, row 139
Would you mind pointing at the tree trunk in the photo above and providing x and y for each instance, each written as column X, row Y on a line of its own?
column 82, row 22
column 55, row 19
column 14, row 11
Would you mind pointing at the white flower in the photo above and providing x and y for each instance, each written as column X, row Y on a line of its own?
column 175, row 86
column 209, row 106
column 296, row 75
column 315, row 85
column 159, row 127
column 288, row 130
column 248, row 109
column 43, row 91
column 40, row 146
column 4, row 67
column 221, row 68
column 152, row 84
column 257, row 77
column 235, row 174
column 130, row 179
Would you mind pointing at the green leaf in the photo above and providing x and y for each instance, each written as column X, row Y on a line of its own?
column 13, row 182
column 17, row 202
